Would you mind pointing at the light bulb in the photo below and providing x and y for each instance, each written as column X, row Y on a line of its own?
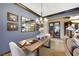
column 37, row 21
column 45, row 19
column 40, row 18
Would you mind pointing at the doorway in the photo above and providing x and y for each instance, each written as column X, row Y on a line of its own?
column 54, row 29
column 67, row 24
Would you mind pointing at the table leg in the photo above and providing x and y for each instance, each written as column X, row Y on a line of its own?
column 38, row 52
column 49, row 44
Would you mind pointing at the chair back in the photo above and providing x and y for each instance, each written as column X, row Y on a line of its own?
column 76, row 52
column 16, row 50
column 68, row 46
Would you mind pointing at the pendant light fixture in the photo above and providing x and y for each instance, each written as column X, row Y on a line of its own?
column 42, row 22
column 42, row 19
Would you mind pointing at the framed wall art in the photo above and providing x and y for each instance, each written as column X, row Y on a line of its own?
column 12, row 26
column 27, row 25
column 12, row 17
column 12, row 22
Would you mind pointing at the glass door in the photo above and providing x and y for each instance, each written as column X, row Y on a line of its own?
column 54, row 29
column 51, row 28
column 57, row 30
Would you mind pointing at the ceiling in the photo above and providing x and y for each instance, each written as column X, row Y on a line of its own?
column 50, row 8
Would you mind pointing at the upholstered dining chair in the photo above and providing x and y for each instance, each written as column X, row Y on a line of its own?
column 76, row 52
column 16, row 50
column 70, row 47
column 67, row 48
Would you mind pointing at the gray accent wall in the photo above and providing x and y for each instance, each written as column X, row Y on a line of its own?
column 7, row 36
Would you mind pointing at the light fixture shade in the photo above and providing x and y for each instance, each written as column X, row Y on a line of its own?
column 45, row 20
column 41, row 18
column 37, row 21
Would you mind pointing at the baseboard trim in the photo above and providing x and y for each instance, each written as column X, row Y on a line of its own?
column 3, row 54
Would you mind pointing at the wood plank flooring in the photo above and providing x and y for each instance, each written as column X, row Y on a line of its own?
column 57, row 49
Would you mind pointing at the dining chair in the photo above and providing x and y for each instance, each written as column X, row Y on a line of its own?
column 68, row 46
column 16, row 50
column 76, row 52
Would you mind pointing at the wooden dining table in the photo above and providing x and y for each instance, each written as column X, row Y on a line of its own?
column 35, row 46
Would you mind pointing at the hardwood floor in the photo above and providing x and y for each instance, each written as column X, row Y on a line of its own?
column 48, row 52
column 57, row 49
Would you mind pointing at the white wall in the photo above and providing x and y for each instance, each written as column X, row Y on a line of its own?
column 61, row 29
column 46, row 27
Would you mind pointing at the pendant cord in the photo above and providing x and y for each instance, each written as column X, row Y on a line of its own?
column 41, row 9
